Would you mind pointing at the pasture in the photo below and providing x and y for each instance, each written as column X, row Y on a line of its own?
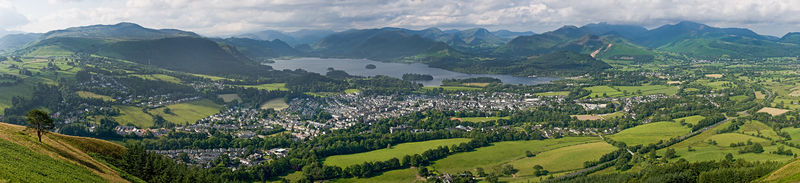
column 276, row 103
column 556, row 93
column 158, row 77
column 690, row 119
column 503, row 152
column 703, row 150
column 396, row 151
column 188, row 112
column 650, row 133
column 598, row 116
column 229, row 97
column 270, row 86
column 562, row 159
column 620, row 91
column 408, row 175
column 482, row 119
column 86, row 94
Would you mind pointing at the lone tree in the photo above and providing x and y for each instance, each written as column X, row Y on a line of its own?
column 39, row 121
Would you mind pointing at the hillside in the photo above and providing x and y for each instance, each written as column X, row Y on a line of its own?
column 14, row 41
column 261, row 49
column 792, row 37
column 168, row 48
column 60, row 158
column 120, row 31
column 378, row 44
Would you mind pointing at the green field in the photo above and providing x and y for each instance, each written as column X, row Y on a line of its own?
column 270, row 86
column 561, row 159
column 619, row 91
column 691, row 119
column 758, row 128
column 188, row 112
column 503, row 152
column 794, row 133
column 396, row 151
column 650, row 133
column 134, row 116
column 351, row 90
column 229, row 97
column 558, row 93
column 159, row 77
column 407, row 175
column 277, row 104
column 86, row 94
column 704, row 151
column 482, row 119
column 452, row 88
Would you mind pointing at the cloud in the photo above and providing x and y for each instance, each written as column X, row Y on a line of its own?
column 215, row 17
column 9, row 17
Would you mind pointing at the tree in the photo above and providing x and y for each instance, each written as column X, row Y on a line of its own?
column 669, row 154
column 529, row 154
column 39, row 121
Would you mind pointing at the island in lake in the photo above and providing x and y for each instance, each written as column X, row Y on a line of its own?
column 371, row 66
column 417, row 77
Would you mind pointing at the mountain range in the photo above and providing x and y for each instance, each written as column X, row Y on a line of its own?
column 461, row 50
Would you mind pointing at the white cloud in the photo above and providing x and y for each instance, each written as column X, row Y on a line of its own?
column 217, row 17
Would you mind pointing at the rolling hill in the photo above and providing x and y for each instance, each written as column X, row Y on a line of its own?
column 261, row 49
column 378, row 44
column 60, row 158
column 12, row 42
column 168, row 48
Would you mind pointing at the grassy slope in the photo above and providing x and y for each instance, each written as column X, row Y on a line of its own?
column 503, row 152
column 181, row 113
column 650, row 133
column 59, row 158
column 788, row 173
column 397, row 151
column 561, row 159
column 705, row 151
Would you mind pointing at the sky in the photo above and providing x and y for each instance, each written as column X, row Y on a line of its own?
column 232, row 17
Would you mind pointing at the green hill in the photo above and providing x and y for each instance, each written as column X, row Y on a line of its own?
column 262, row 49
column 379, row 44
column 120, row 31
column 12, row 42
column 792, row 37
column 59, row 158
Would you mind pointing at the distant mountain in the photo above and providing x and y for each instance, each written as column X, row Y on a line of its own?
column 379, row 44
column 12, row 42
column 262, row 49
column 792, row 37
column 120, row 31
column 625, row 31
column 299, row 37
column 168, row 48
column 508, row 35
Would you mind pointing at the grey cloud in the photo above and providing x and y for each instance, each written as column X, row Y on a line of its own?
column 214, row 17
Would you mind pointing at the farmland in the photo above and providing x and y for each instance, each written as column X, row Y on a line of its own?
column 503, row 152
column 650, row 133
column 277, row 104
column 396, row 151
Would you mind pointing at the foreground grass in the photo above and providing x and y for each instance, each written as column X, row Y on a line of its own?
column 396, row 151
column 58, row 158
column 650, row 133
column 788, row 173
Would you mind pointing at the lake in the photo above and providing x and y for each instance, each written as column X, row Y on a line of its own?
column 358, row 67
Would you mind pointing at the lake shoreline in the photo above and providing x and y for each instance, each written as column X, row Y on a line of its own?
column 392, row 69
